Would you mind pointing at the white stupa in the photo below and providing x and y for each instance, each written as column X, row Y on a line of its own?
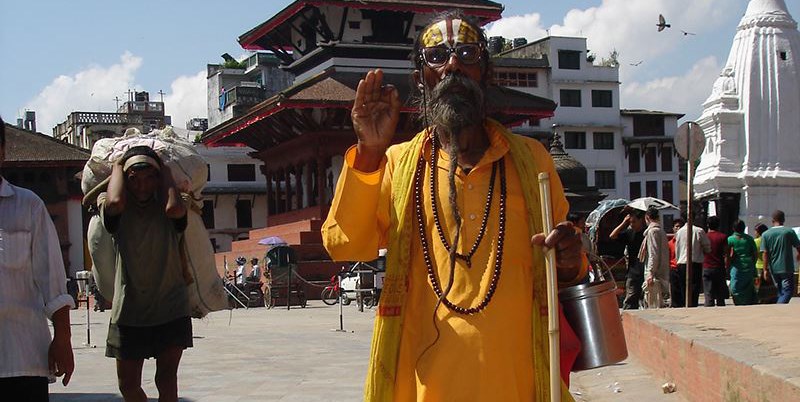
column 751, row 165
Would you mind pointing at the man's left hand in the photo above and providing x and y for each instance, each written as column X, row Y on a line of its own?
column 60, row 358
column 569, row 251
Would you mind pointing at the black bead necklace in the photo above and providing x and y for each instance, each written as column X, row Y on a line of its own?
column 498, row 262
column 433, row 187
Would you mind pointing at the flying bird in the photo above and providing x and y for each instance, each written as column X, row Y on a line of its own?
column 637, row 63
column 686, row 33
column 662, row 23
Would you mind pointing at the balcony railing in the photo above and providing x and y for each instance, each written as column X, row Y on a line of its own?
column 242, row 96
column 86, row 118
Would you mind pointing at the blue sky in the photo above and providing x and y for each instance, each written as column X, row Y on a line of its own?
column 78, row 55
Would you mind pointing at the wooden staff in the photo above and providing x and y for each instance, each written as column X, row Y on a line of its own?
column 552, row 291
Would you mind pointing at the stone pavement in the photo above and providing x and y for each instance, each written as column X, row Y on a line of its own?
column 270, row 355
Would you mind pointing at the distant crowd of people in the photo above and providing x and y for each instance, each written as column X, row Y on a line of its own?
column 723, row 266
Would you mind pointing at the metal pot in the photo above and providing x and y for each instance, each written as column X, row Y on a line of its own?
column 592, row 311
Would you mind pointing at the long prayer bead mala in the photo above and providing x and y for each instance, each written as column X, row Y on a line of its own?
column 434, row 206
column 498, row 262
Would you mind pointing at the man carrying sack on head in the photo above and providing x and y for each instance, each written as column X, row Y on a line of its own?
column 463, row 313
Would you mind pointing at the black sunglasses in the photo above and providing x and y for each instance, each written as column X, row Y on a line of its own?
column 437, row 56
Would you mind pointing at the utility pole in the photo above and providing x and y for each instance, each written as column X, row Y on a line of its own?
column 117, row 99
column 160, row 92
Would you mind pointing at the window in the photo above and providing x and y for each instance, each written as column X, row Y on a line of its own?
column 666, row 159
column 634, row 161
column 208, row 214
column 574, row 140
column 571, row 97
column 651, row 189
column 650, row 159
column 208, row 176
column 387, row 26
column 603, row 140
column 354, row 24
column 244, row 214
column 605, row 179
column 242, row 172
column 635, row 189
column 783, row 55
column 666, row 191
column 569, row 60
column 648, row 126
column 516, row 79
column 601, row 98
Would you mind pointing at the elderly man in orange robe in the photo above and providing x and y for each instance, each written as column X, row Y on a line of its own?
column 463, row 312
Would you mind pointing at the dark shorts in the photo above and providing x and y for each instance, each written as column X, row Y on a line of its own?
column 135, row 343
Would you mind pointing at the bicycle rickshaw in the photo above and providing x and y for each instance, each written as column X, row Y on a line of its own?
column 283, row 285
column 610, row 253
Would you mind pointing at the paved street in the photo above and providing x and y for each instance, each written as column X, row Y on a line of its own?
column 270, row 355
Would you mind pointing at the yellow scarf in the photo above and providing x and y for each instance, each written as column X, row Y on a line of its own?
column 388, row 323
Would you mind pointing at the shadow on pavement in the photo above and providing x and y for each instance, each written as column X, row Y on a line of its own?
column 56, row 397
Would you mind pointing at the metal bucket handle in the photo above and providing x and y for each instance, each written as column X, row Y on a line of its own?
column 603, row 268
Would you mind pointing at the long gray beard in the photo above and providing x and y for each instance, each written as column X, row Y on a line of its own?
column 455, row 103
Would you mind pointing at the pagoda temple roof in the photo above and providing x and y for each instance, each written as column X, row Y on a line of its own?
column 289, row 113
column 255, row 39
column 28, row 148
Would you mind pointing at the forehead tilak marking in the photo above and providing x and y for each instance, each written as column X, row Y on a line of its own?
column 449, row 32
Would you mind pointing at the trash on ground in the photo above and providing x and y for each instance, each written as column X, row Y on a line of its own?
column 668, row 387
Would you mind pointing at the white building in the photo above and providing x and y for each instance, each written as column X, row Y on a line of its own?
column 627, row 153
column 233, row 91
column 751, row 164
column 234, row 199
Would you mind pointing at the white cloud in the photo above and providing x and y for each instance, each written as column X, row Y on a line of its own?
column 518, row 26
column 92, row 89
column 187, row 98
column 630, row 26
column 681, row 94
column 627, row 26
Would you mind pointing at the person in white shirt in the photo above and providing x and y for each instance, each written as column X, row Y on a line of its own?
column 700, row 246
column 33, row 288
column 240, row 263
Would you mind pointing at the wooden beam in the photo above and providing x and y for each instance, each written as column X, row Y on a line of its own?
column 281, row 54
column 341, row 25
column 324, row 29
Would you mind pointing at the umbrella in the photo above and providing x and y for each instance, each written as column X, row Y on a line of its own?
column 272, row 241
column 646, row 203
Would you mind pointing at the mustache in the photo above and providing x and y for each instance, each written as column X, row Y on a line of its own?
column 455, row 102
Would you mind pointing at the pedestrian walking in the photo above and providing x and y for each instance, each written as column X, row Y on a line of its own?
column 33, row 289
column 677, row 297
column 700, row 246
column 741, row 261
column 631, row 233
column 715, row 290
column 143, row 211
column 777, row 244
column 654, row 253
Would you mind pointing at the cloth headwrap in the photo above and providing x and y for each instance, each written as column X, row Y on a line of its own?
column 450, row 32
column 136, row 159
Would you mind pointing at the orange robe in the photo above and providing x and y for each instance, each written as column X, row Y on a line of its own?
column 485, row 356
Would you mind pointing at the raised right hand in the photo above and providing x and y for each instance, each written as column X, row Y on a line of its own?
column 375, row 114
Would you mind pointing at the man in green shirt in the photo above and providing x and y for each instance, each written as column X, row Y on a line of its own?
column 777, row 244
